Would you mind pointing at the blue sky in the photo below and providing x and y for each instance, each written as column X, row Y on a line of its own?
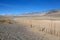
column 23, row 6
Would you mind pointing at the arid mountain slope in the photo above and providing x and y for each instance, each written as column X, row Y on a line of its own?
column 51, row 13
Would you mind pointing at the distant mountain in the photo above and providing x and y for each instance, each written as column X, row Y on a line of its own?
column 33, row 14
column 53, row 13
column 50, row 13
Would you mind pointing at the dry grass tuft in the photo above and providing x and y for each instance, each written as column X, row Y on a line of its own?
column 6, row 20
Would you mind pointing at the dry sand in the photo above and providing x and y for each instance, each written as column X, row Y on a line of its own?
column 28, row 29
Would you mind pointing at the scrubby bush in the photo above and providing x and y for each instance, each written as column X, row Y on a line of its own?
column 8, row 21
column 5, row 21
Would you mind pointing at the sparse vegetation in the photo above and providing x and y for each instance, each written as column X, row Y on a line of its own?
column 18, row 31
column 5, row 20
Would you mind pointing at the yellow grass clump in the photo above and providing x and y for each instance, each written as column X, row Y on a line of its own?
column 5, row 20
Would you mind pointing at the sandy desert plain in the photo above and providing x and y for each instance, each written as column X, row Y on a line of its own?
column 30, row 29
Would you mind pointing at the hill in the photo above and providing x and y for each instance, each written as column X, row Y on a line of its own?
column 50, row 13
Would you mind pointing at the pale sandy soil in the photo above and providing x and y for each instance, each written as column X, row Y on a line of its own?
column 48, row 25
column 28, row 29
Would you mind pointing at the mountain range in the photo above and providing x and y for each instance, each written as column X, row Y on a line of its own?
column 50, row 13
